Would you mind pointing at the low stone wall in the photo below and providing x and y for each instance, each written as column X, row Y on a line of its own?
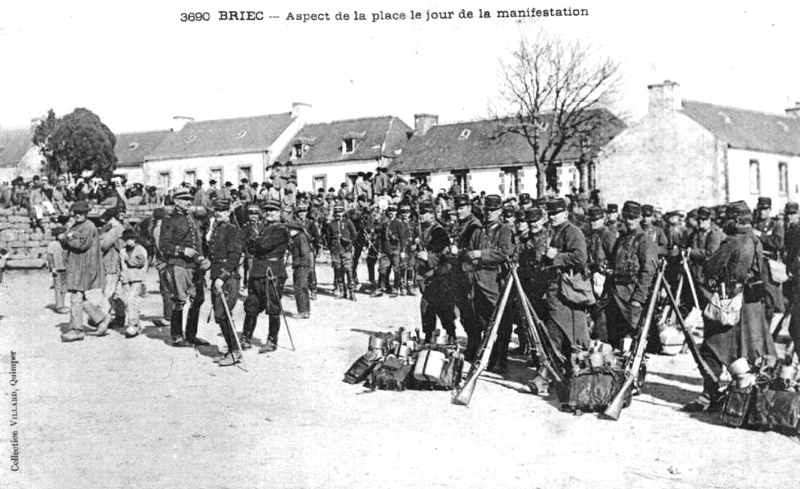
column 28, row 247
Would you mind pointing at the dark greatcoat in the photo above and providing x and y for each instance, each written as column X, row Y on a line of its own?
column 738, row 259
column 83, row 258
column 570, row 242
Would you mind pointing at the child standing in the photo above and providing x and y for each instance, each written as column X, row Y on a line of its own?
column 133, row 261
column 58, row 268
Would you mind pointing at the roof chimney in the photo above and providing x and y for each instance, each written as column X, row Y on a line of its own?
column 300, row 110
column 179, row 121
column 423, row 122
column 794, row 111
column 664, row 97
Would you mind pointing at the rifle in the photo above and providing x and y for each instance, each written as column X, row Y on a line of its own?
column 634, row 363
column 463, row 395
column 533, row 325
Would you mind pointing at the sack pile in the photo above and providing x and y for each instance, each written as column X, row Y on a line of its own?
column 597, row 375
column 398, row 362
column 763, row 396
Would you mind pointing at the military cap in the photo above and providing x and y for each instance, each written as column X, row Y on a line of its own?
column 647, row 210
column 704, row 213
column 791, row 208
column 509, row 211
column 182, row 193
column 461, row 200
column 631, row 209
column 392, row 207
column 79, row 207
column 534, row 214
column 271, row 205
column 611, row 208
column 492, row 202
column 596, row 213
column 253, row 209
column 736, row 209
column 556, row 205
column 764, row 203
column 129, row 233
column 301, row 207
column 425, row 207
column 222, row 204
column 404, row 206
column 338, row 207
column 539, row 203
column 524, row 198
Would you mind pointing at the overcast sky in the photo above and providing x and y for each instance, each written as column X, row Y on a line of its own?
column 138, row 65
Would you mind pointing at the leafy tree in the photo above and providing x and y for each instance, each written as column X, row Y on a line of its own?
column 559, row 93
column 76, row 143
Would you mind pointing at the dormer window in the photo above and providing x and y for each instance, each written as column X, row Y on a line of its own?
column 191, row 139
column 725, row 117
column 348, row 145
column 241, row 134
column 298, row 150
column 133, row 146
column 464, row 134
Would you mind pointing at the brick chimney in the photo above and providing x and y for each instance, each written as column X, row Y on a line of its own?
column 423, row 122
column 300, row 110
column 794, row 111
column 179, row 121
column 664, row 97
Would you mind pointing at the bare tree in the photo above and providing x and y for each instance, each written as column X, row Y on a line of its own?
column 559, row 94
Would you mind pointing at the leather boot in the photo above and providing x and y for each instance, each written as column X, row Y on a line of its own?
column 410, row 289
column 378, row 290
column 247, row 331
column 176, row 328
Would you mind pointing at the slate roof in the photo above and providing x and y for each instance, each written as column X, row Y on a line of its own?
column 747, row 129
column 222, row 137
column 444, row 147
column 132, row 147
column 14, row 143
column 376, row 137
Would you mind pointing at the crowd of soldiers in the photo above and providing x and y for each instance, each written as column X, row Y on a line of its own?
column 454, row 250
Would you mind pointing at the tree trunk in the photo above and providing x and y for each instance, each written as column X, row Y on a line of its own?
column 582, row 174
column 541, row 180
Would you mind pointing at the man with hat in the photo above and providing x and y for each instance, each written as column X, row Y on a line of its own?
column 133, row 262
column 407, row 264
column 482, row 250
column 252, row 229
column 655, row 233
column 792, row 245
column 771, row 233
column 315, row 241
column 84, row 272
column 433, row 268
column 732, row 270
column 525, row 201
column 599, row 246
column 532, row 244
column 267, row 277
column 393, row 240
column 634, row 264
column 302, row 267
column 182, row 246
column 612, row 216
column 110, row 245
column 341, row 234
column 362, row 219
column 704, row 242
column 200, row 198
column 381, row 182
column 225, row 245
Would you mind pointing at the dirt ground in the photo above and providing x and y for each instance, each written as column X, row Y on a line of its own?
column 113, row 412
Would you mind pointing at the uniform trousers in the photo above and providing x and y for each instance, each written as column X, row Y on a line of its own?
column 301, row 278
column 264, row 294
column 230, row 292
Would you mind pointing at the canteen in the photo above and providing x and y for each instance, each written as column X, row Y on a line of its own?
column 739, row 367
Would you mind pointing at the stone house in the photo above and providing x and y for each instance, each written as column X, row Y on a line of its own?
column 472, row 154
column 326, row 154
column 131, row 149
column 18, row 155
column 684, row 153
column 223, row 149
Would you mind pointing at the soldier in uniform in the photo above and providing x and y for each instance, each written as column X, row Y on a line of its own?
column 225, row 247
column 340, row 233
column 408, row 263
column 770, row 232
column 252, row 228
column 433, row 270
column 182, row 246
column 703, row 243
column 792, row 245
column 599, row 246
column 315, row 241
column 655, row 233
column 634, row 264
column 733, row 269
column 498, row 361
column 267, row 277
column 393, row 241
column 612, row 217
column 482, row 250
column 361, row 217
column 302, row 268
